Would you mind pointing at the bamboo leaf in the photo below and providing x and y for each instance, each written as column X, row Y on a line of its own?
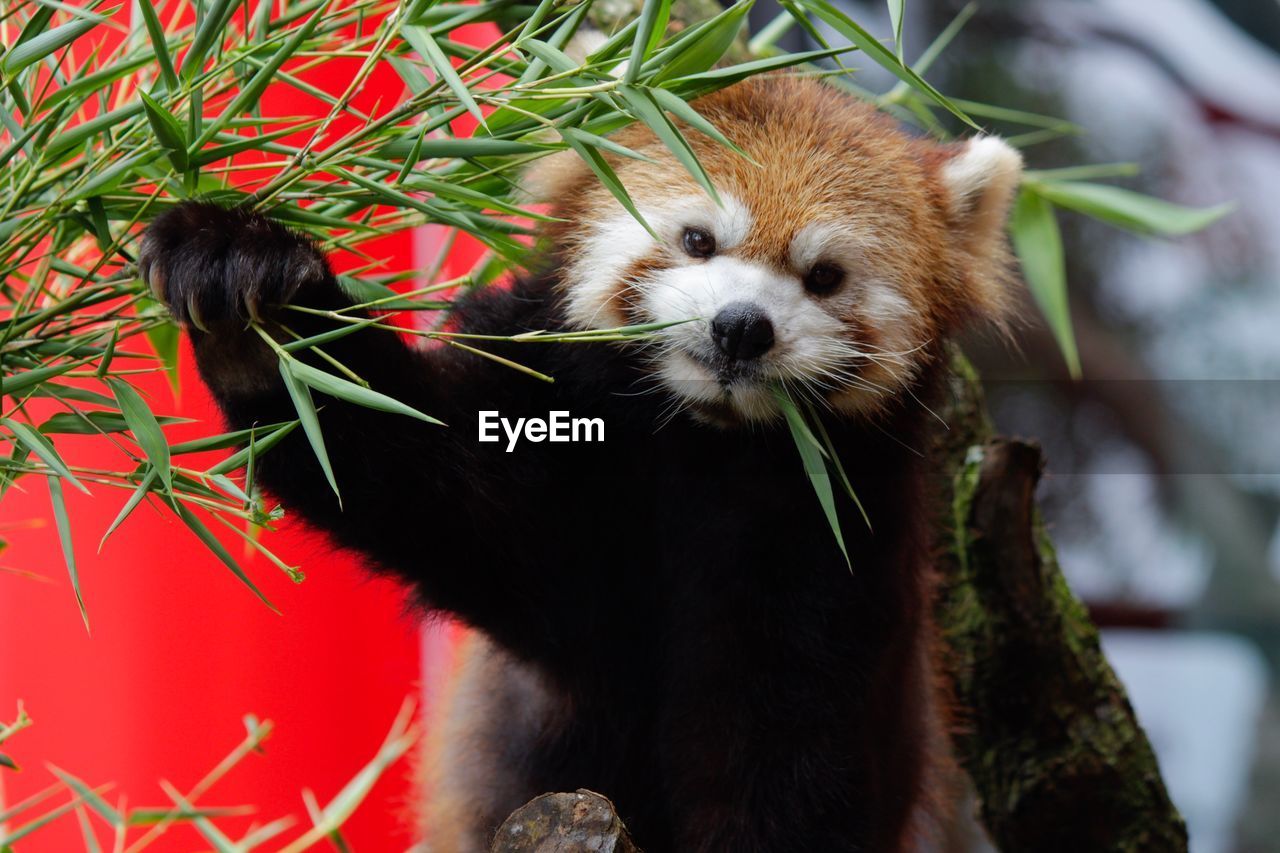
column 63, row 523
column 834, row 459
column 155, row 31
column 227, row 439
column 139, row 493
column 1127, row 209
column 205, row 535
column 333, row 334
column 644, row 108
column 36, row 24
column 149, row 817
column 410, row 74
column 604, row 143
column 258, row 446
column 10, row 468
column 70, row 392
column 881, row 55
column 94, row 423
column 145, row 428
column 683, row 111
column 895, row 22
column 1038, row 244
column 165, row 340
column 422, row 41
column 604, row 172
column 1023, row 117
column 300, row 394
column 8, row 837
column 110, row 178
column 476, row 146
column 108, row 355
column 90, row 839
column 17, row 384
column 944, row 39
column 802, row 19
column 168, row 131
column 811, row 456
column 699, row 47
column 88, row 796
column 38, row 47
column 21, row 138
column 653, row 20
column 1085, row 172
column 554, row 57
column 73, row 137
column 358, row 395
column 42, row 448
column 208, row 33
column 730, row 74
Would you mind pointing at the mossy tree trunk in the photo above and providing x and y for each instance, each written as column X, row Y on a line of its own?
column 1043, row 727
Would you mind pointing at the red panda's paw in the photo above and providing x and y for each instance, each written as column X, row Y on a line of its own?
column 218, row 269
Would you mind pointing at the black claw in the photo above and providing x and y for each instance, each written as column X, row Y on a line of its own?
column 220, row 267
column 193, row 314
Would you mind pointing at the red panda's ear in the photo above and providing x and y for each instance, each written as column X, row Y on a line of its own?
column 980, row 182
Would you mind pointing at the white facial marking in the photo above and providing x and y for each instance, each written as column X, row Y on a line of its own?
column 592, row 277
column 812, row 350
column 618, row 242
column 803, row 330
column 731, row 223
column 838, row 242
column 894, row 318
column 882, row 303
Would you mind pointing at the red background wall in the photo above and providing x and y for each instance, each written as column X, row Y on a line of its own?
column 180, row 650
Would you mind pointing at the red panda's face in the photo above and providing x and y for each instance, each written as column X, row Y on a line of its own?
column 835, row 255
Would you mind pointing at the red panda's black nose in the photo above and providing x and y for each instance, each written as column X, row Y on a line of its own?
column 742, row 331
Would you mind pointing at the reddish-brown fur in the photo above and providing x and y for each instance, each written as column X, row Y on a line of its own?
column 815, row 155
column 821, row 155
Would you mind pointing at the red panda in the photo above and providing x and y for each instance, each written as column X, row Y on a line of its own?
column 664, row 616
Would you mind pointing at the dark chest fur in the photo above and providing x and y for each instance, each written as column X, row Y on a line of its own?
column 704, row 625
column 714, row 664
column 708, row 658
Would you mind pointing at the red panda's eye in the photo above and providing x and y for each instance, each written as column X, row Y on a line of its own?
column 698, row 243
column 823, row 279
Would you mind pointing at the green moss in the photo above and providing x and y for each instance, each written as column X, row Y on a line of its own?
column 1045, row 730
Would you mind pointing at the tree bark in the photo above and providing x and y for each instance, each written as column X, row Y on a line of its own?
column 1042, row 725
column 582, row 822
